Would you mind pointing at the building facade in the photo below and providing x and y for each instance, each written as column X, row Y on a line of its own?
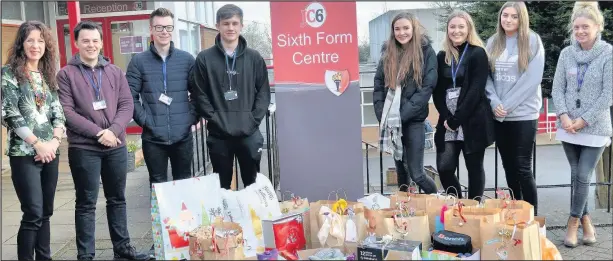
column 125, row 27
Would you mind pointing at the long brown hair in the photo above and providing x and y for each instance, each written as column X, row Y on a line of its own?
column 523, row 36
column 17, row 58
column 398, row 60
column 472, row 38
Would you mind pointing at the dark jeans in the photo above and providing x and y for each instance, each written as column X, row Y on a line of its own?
column 181, row 155
column 582, row 161
column 87, row 167
column 447, row 163
column 413, row 158
column 247, row 150
column 35, row 185
column 515, row 142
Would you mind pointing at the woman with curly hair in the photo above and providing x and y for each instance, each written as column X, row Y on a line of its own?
column 35, row 120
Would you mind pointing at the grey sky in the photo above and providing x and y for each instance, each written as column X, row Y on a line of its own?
column 366, row 11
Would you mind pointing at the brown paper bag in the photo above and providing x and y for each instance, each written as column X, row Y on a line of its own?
column 475, row 219
column 205, row 242
column 414, row 228
column 525, row 244
column 412, row 200
column 435, row 206
column 519, row 210
column 317, row 221
column 297, row 205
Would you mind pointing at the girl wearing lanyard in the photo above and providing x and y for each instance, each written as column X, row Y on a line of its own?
column 514, row 89
column 465, row 123
column 582, row 93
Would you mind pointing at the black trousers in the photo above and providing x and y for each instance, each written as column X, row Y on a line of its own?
column 412, row 165
column 447, row 163
column 87, row 167
column 247, row 150
column 35, row 185
column 515, row 142
column 181, row 155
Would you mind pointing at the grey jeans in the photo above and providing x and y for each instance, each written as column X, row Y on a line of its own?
column 412, row 166
column 582, row 160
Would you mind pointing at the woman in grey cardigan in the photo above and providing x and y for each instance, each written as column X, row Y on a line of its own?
column 582, row 93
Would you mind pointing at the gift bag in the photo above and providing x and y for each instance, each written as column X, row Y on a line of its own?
column 353, row 219
column 375, row 201
column 416, row 201
column 549, row 250
column 511, row 241
column 409, row 226
column 519, row 210
column 298, row 205
column 220, row 241
column 178, row 207
column 437, row 206
column 248, row 207
column 470, row 221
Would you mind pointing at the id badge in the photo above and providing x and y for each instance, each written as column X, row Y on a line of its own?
column 41, row 118
column 99, row 105
column 230, row 95
column 165, row 99
column 453, row 93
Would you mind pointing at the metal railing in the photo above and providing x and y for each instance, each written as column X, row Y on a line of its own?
column 201, row 164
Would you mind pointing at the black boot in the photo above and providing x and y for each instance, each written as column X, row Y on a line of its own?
column 128, row 252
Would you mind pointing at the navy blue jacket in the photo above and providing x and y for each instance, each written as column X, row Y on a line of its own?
column 161, row 123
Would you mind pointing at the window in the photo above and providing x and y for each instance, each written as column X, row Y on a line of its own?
column 34, row 11
column 368, row 109
column 189, row 36
column 11, row 10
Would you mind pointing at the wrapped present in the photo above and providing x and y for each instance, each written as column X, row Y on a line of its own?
column 387, row 248
column 220, row 241
column 284, row 233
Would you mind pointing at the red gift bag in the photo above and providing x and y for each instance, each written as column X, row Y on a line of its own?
column 285, row 233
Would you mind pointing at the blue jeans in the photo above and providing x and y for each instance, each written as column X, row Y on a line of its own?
column 582, row 160
column 87, row 167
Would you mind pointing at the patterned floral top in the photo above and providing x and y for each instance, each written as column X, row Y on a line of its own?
column 37, row 108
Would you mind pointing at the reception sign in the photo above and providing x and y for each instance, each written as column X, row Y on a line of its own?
column 315, row 58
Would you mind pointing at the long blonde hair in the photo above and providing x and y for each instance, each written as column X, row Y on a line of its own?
column 472, row 37
column 412, row 55
column 589, row 10
column 523, row 36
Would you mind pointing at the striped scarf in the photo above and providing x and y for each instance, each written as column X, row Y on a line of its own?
column 391, row 126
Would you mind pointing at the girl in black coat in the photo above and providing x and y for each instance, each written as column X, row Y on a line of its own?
column 465, row 118
column 404, row 81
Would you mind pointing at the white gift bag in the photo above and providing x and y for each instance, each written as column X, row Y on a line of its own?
column 375, row 201
column 178, row 207
column 248, row 207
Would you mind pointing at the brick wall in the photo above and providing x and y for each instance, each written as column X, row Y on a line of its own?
column 207, row 37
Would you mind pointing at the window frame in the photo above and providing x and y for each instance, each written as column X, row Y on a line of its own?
column 362, row 104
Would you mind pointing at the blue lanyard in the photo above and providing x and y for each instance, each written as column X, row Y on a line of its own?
column 94, row 85
column 164, row 74
column 230, row 69
column 454, row 72
column 581, row 75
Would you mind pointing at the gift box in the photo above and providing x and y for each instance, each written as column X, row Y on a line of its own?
column 284, row 233
column 387, row 249
column 221, row 241
column 452, row 242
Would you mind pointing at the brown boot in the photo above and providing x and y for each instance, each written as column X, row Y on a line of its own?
column 571, row 232
column 589, row 233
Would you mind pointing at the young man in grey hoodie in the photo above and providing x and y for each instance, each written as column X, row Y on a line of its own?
column 514, row 91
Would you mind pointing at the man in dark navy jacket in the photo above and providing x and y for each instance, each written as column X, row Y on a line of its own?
column 231, row 91
column 159, row 78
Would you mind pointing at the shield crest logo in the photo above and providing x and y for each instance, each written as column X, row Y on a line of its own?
column 337, row 81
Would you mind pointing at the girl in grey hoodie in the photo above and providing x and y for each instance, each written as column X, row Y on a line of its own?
column 518, row 60
column 582, row 93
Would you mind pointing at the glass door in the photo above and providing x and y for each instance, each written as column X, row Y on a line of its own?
column 129, row 38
